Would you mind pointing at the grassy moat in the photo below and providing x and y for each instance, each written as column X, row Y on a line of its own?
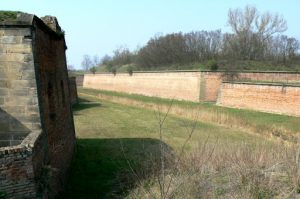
column 127, row 149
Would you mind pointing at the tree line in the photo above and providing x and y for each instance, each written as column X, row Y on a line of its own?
column 254, row 37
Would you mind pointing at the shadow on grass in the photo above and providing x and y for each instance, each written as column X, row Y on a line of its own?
column 85, row 104
column 108, row 168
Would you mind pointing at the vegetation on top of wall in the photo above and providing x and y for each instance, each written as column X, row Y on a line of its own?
column 258, row 44
column 8, row 15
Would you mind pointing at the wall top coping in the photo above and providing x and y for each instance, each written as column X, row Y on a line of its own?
column 26, row 146
column 262, row 83
column 200, row 71
column 17, row 19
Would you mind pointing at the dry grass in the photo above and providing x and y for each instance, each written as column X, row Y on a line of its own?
column 223, row 170
column 214, row 163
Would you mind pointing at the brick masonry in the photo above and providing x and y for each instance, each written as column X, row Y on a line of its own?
column 73, row 90
column 192, row 86
column 36, row 121
column 177, row 85
column 264, row 97
column 79, row 80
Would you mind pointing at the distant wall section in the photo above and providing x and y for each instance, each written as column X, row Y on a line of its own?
column 263, row 97
column 79, row 80
column 173, row 85
column 73, row 90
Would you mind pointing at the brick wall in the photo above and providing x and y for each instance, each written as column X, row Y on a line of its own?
column 210, row 85
column 79, row 80
column 177, row 85
column 211, row 81
column 73, row 90
column 263, row 97
column 191, row 86
column 36, row 121
column 57, row 117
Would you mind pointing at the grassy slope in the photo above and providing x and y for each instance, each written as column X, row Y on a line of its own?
column 281, row 124
column 100, row 169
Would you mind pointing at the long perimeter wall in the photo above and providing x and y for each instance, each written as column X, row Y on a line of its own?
column 177, row 85
column 207, row 86
column 264, row 97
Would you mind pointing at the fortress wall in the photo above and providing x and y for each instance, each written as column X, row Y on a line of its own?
column 177, row 85
column 79, row 80
column 19, row 111
column 263, row 97
column 20, row 122
column 205, row 86
column 54, row 96
column 36, row 121
column 285, row 77
column 210, row 84
column 212, row 80
column 73, row 90
column 19, row 166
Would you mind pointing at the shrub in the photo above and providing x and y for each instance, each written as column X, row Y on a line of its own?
column 130, row 70
column 93, row 70
column 212, row 65
column 114, row 71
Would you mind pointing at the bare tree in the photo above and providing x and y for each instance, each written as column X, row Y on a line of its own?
column 86, row 63
column 252, row 30
column 96, row 60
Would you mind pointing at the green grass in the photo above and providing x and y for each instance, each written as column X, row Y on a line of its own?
column 255, row 119
column 100, row 169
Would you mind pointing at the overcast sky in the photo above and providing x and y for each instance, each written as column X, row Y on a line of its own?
column 97, row 27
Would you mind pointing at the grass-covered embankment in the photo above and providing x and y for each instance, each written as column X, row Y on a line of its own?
column 119, row 154
column 266, row 124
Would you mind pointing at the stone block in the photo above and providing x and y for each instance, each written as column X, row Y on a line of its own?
column 4, row 126
column 5, row 84
column 3, row 91
column 16, row 48
column 19, row 100
column 28, row 75
column 20, row 84
column 14, row 109
column 19, row 92
column 15, row 142
column 15, row 32
column 19, row 135
column 11, row 39
column 4, row 143
column 5, row 136
column 12, row 57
